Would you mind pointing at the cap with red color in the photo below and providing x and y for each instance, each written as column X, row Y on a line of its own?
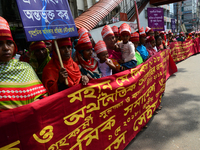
column 5, row 33
column 162, row 32
column 100, row 47
column 125, row 28
column 81, row 31
column 142, row 32
column 84, row 42
column 107, row 30
column 115, row 29
column 150, row 38
column 147, row 29
column 135, row 37
column 37, row 45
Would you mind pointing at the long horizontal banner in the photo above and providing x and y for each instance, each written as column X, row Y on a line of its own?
column 105, row 114
column 182, row 50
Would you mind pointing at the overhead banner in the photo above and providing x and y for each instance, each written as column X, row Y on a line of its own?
column 156, row 19
column 46, row 19
column 106, row 114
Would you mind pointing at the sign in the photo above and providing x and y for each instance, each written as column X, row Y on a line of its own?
column 187, row 8
column 173, row 25
column 123, row 16
column 156, row 19
column 46, row 19
column 106, row 114
column 133, row 26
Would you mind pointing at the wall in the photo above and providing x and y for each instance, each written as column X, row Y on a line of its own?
column 80, row 4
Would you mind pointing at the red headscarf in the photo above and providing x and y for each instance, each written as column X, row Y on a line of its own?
column 149, row 47
column 37, row 45
column 51, row 71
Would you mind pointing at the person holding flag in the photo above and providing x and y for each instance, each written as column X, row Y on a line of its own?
column 54, row 75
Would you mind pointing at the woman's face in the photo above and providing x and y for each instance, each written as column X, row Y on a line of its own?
column 151, row 34
column 125, row 38
column 142, row 40
column 159, row 41
column 49, row 46
column 103, row 56
column 153, row 43
column 40, row 54
column 136, row 44
column 7, row 48
column 110, row 42
column 87, row 54
column 65, row 52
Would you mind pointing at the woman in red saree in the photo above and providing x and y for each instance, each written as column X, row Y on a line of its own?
column 54, row 76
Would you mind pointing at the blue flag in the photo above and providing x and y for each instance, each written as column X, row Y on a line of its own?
column 46, row 19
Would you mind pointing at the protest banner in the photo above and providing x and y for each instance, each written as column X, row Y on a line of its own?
column 105, row 114
column 46, row 19
column 156, row 19
column 182, row 50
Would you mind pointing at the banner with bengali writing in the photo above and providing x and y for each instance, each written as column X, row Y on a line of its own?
column 156, row 19
column 104, row 115
column 46, row 19
column 182, row 50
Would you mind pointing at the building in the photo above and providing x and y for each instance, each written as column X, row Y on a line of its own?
column 190, row 14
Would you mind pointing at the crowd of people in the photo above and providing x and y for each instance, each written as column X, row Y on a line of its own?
column 38, row 72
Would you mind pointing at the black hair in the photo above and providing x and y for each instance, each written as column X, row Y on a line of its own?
column 156, row 37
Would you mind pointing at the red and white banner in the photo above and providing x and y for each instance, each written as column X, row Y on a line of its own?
column 105, row 114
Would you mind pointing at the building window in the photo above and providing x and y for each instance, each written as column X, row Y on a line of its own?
column 80, row 12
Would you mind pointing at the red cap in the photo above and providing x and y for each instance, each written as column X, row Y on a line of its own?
column 142, row 32
column 135, row 37
column 84, row 42
column 147, row 29
column 100, row 47
column 37, row 45
column 107, row 30
column 115, row 29
column 162, row 32
column 125, row 28
column 5, row 33
column 150, row 38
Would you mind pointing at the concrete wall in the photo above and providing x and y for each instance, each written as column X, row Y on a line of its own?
column 80, row 4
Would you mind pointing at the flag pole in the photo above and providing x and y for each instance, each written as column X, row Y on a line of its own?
column 60, row 59
column 137, row 15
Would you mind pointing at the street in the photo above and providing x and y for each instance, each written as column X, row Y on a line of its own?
column 176, row 126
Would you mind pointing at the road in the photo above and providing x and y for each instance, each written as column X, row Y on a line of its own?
column 177, row 125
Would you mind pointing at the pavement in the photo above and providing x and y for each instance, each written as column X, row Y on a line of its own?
column 177, row 125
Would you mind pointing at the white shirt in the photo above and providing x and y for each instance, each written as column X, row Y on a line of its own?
column 128, row 51
column 105, row 69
